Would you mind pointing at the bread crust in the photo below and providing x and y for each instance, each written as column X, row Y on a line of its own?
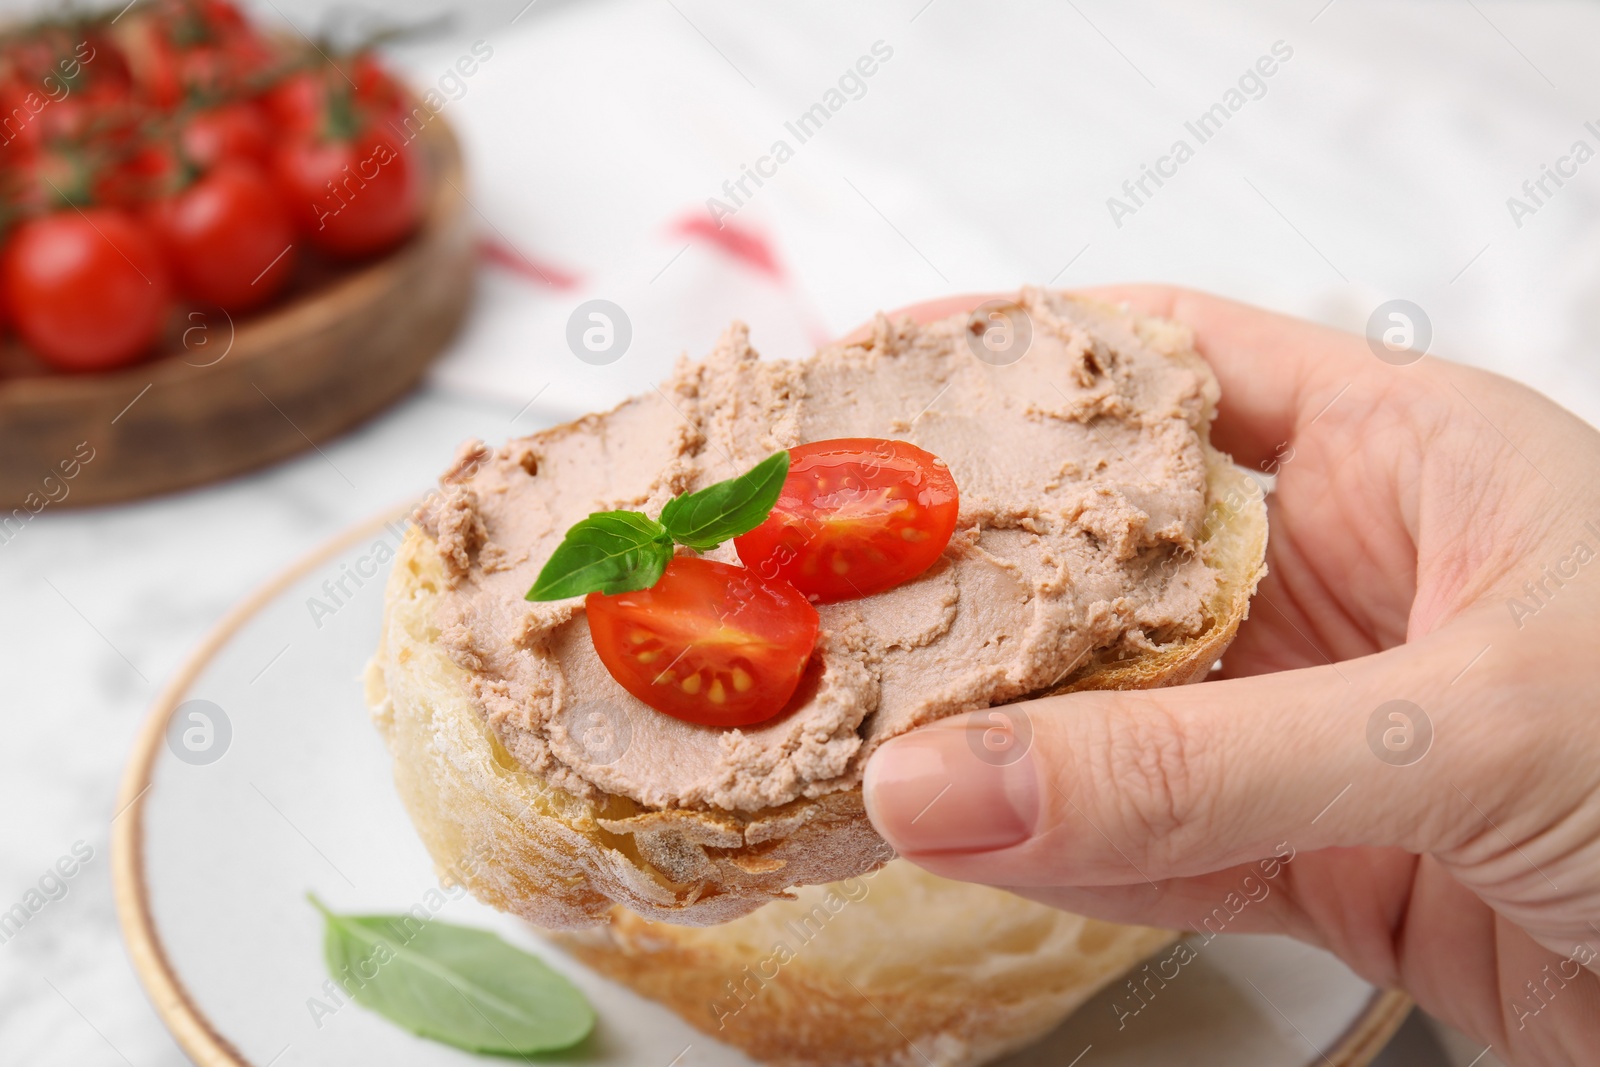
column 559, row 860
column 899, row 968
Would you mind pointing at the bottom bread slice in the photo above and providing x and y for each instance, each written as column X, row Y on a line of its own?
column 897, row 967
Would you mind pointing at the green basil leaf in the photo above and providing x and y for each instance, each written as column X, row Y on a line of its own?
column 727, row 509
column 609, row 552
column 464, row 987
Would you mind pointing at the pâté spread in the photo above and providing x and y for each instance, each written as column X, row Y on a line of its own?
column 1082, row 476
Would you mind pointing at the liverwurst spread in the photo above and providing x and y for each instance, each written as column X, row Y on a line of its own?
column 1082, row 476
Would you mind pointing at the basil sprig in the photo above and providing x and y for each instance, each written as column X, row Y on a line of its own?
column 621, row 551
column 464, row 987
column 727, row 509
column 609, row 552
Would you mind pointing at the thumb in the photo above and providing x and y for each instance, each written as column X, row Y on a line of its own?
column 1112, row 788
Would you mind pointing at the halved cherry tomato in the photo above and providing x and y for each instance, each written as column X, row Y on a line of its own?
column 87, row 290
column 857, row 515
column 228, row 237
column 709, row 643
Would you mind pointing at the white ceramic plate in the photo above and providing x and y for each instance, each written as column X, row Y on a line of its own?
column 223, row 834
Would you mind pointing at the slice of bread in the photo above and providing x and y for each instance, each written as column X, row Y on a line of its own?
column 525, row 846
column 897, row 968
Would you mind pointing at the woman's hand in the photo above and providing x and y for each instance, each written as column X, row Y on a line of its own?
column 1435, row 540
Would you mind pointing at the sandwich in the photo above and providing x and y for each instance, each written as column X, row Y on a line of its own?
column 648, row 758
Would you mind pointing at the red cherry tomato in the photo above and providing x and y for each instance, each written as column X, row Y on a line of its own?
column 352, row 197
column 23, row 135
column 856, row 516
column 141, row 174
column 296, row 102
column 88, row 290
column 228, row 237
column 375, row 88
column 191, row 50
column 57, row 64
column 231, row 131
column 709, row 643
column 205, row 71
column 303, row 101
column 152, row 61
column 38, row 184
column 222, row 15
column 97, row 61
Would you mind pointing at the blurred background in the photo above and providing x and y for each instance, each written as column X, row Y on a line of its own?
column 628, row 151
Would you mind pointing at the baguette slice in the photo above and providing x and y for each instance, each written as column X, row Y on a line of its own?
column 897, row 968
column 559, row 860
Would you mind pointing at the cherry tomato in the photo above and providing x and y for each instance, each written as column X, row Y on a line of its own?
column 303, row 100
column 152, row 61
column 59, row 63
column 376, row 89
column 137, row 173
column 709, row 643
column 352, row 197
column 206, row 71
column 228, row 237
column 41, row 182
column 195, row 50
column 23, row 135
column 296, row 102
column 221, row 15
column 97, row 68
column 230, row 131
column 87, row 290
column 856, row 516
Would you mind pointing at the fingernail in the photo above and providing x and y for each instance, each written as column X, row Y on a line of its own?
column 930, row 791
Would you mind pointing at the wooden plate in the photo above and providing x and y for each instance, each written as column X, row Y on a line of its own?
column 212, row 855
column 231, row 396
